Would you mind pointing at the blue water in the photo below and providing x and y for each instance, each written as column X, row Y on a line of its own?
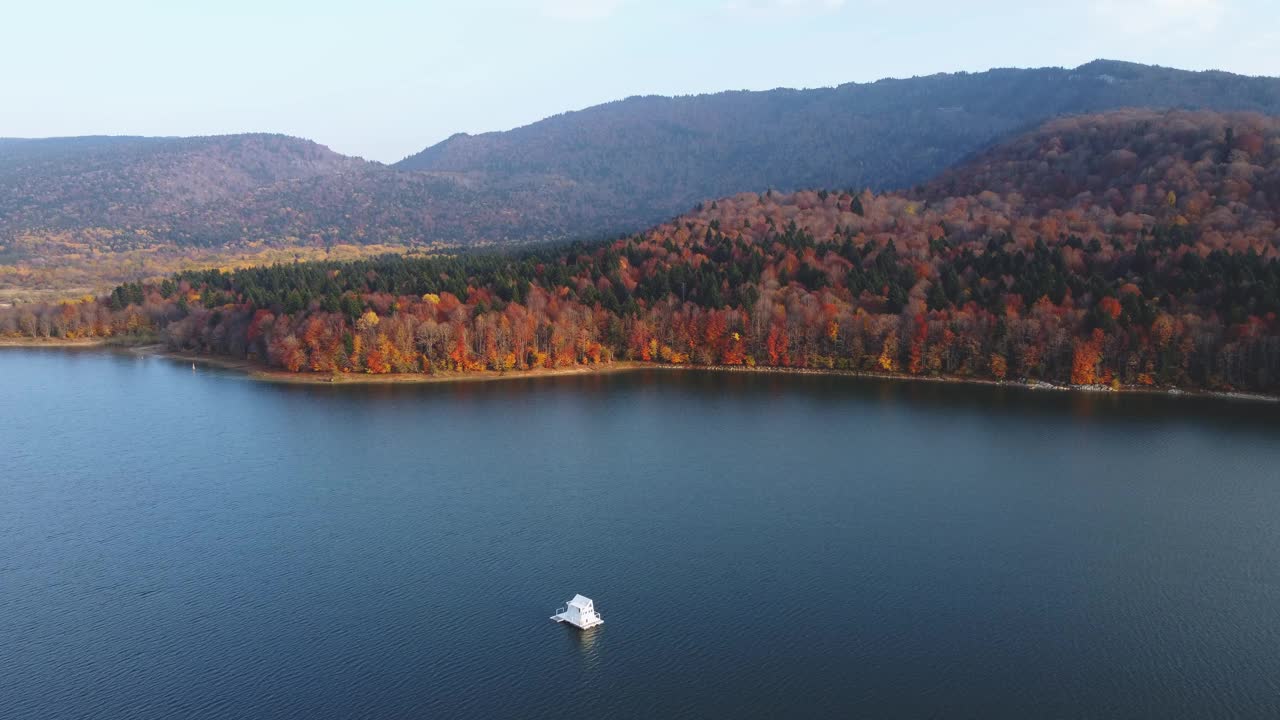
column 193, row 544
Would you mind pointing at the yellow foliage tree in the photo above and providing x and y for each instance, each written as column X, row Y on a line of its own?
column 889, row 353
column 999, row 366
column 368, row 321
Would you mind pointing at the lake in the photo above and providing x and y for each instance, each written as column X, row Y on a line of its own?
column 192, row 543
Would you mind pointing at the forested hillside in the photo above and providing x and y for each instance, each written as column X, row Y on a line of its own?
column 82, row 213
column 1132, row 248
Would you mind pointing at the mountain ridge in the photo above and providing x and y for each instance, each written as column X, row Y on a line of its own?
column 891, row 133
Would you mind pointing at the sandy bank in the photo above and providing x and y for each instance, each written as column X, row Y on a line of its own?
column 258, row 371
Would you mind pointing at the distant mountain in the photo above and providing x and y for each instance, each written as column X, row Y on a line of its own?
column 651, row 157
column 237, row 189
column 76, row 213
column 120, row 181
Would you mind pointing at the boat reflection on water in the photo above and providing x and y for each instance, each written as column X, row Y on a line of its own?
column 590, row 645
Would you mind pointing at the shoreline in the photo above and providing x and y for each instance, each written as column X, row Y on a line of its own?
column 1036, row 385
column 262, row 373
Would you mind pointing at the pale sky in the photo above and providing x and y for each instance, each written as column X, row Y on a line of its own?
column 384, row 79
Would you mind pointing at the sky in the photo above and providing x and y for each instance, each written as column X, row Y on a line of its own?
column 383, row 79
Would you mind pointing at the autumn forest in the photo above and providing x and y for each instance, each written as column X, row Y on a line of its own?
column 1134, row 248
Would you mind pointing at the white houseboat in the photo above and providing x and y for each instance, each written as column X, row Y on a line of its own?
column 579, row 612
